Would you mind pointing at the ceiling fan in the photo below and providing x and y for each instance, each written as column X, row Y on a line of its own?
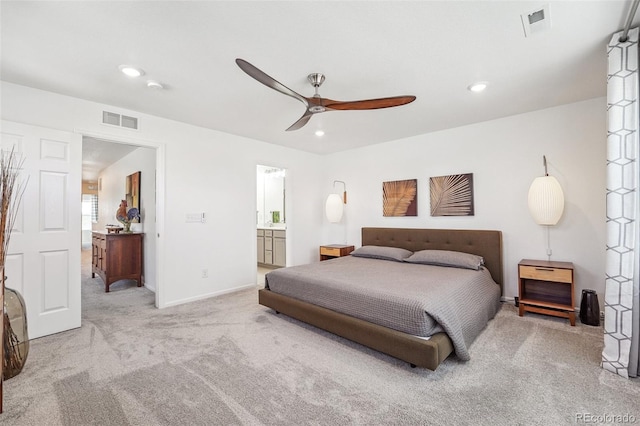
column 317, row 104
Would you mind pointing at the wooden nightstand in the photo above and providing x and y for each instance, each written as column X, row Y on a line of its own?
column 546, row 287
column 334, row 250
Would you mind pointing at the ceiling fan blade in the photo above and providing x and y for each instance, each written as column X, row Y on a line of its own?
column 369, row 103
column 301, row 121
column 269, row 81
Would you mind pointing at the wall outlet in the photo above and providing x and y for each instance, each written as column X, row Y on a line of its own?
column 205, row 273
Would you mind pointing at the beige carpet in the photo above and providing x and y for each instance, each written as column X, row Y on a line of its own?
column 229, row 361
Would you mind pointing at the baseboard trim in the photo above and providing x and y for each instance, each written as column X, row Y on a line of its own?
column 208, row 295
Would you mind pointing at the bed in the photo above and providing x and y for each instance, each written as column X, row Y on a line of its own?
column 415, row 349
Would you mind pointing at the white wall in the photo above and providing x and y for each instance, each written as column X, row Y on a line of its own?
column 504, row 156
column 214, row 172
column 205, row 171
column 112, row 190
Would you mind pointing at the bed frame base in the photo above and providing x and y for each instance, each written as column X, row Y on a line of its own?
column 417, row 352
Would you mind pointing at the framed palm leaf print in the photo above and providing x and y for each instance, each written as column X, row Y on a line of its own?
column 400, row 198
column 452, row 195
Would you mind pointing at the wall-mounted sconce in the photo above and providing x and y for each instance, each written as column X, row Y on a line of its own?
column 546, row 201
column 334, row 206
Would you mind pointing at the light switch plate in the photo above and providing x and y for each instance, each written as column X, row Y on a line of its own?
column 195, row 217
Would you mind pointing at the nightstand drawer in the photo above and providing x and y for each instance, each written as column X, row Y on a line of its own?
column 546, row 274
column 330, row 251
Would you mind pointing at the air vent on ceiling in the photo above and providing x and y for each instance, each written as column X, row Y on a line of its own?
column 119, row 120
column 536, row 21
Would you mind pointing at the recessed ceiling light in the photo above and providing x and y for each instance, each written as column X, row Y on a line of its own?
column 478, row 87
column 154, row 84
column 319, row 133
column 131, row 71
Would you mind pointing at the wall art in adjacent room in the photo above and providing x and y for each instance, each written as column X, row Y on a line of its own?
column 452, row 195
column 132, row 192
column 400, row 198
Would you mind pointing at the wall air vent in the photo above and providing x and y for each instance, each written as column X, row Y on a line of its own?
column 110, row 118
column 129, row 122
column 536, row 21
column 114, row 119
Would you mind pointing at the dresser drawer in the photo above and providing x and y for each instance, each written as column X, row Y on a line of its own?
column 99, row 240
column 546, row 274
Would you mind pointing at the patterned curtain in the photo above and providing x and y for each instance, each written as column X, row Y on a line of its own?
column 622, row 320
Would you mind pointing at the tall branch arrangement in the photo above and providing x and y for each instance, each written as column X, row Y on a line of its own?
column 12, row 189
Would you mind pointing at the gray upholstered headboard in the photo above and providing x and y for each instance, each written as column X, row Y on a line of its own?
column 487, row 244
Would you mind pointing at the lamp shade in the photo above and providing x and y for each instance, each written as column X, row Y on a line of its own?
column 334, row 208
column 546, row 200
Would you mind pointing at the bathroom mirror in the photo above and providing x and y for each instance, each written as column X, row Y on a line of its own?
column 270, row 196
column 133, row 191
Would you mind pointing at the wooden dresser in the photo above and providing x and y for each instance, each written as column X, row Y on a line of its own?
column 116, row 257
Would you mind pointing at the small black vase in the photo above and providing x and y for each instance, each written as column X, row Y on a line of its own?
column 590, row 308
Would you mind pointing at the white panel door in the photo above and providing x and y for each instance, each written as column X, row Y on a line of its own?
column 43, row 262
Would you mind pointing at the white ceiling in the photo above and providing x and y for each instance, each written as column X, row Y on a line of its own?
column 430, row 49
column 98, row 154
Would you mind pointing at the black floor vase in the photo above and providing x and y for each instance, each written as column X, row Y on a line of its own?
column 590, row 308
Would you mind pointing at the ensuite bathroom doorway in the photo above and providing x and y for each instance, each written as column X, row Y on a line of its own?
column 271, row 220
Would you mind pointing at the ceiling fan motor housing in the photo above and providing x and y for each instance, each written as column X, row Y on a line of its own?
column 316, row 79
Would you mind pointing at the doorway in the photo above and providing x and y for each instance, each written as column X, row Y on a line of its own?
column 106, row 163
column 271, row 220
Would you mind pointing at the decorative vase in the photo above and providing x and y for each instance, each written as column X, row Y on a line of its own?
column 16, row 338
column 590, row 308
column 127, row 227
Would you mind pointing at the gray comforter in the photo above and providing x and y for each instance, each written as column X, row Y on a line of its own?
column 416, row 299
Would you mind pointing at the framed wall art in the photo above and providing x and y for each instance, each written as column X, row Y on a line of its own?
column 400, row 198
column 452, row 195
column 132, row 191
